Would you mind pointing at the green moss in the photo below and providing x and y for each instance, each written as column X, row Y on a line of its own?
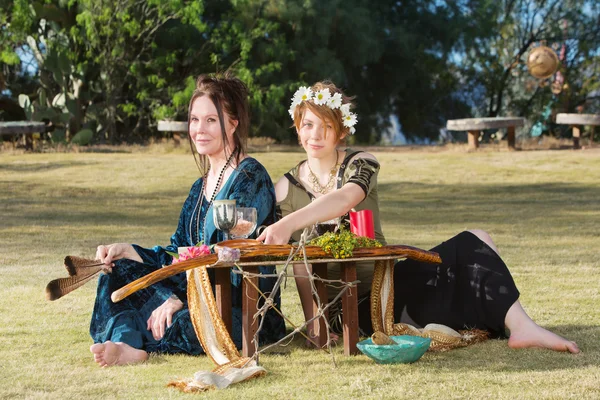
column 342, row 243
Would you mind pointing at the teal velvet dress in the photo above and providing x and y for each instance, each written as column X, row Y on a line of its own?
column 125, row 321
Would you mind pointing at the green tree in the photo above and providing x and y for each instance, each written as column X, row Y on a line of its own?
column 120, row 40
column 391, row 57
column 35, row 30
column 14, row 22
column 502, row 34
column 97, row 60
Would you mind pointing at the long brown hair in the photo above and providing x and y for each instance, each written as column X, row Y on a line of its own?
column 230, row 97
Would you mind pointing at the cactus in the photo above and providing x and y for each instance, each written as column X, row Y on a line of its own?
column 63, row 113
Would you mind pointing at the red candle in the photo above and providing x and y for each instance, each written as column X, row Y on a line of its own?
column 361, row 223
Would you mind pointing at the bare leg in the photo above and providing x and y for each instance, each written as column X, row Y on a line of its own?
column 306, row 297
column 304, row 290
column 524, row 333
column 108, row 354
column 485, row 238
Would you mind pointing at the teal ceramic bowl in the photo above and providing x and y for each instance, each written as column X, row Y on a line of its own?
column 407, row 349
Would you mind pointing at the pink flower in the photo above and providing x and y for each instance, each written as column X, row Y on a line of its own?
column 192, row 252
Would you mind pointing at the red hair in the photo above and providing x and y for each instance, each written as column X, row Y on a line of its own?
column 324, row 112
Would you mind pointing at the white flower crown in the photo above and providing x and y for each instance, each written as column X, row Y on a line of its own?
column 324, row 97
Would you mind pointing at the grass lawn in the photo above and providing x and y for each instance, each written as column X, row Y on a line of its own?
column 541, row 207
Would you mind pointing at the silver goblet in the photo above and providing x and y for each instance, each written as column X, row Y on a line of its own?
column 224, row 215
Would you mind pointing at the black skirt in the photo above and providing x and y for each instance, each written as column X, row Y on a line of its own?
column 472, row 288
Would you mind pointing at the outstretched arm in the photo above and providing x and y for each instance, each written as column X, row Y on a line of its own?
column 329, row 206
column 362, row 178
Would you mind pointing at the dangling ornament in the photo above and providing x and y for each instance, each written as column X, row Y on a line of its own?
column 542, row 62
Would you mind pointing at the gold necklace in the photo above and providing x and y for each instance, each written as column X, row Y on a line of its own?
column 314, row 180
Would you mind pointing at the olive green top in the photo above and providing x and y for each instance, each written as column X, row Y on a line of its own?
column 361, row 171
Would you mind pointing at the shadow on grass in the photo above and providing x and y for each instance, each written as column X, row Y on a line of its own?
column 43, row 166
column 426, row 204
column 51, row 205
column 492, row 356
column 415, row 204
column 496, row 356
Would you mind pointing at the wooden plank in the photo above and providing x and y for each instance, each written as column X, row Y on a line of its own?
column 21, row 127
column 478, row 124
column 350, row 310
column 173, row 126
column 318, row 327
column 578, row 119
column 249, row 309
column 223, row 295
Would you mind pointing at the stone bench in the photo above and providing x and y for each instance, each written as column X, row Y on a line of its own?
column 22, row 128
column 179, row 128
column 575, row 120
column 474, row 126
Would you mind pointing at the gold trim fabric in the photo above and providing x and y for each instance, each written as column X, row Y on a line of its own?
column 215, row 340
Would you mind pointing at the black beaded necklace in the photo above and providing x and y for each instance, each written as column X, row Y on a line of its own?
column 212, row 198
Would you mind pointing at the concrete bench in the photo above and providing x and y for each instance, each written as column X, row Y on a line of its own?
column 474, row 126
column 22, row 128
column 575, row 120
column 179, row 128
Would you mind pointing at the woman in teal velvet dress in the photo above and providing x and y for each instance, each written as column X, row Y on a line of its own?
column 156, row 319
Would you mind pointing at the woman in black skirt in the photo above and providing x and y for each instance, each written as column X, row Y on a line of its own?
column 472, row 288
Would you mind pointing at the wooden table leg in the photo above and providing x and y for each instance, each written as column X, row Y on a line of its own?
column 576, row 136
column 249, row 309
column 473, row 140
column 223, row 295
column 318, row 327
column 511, row 137
column 350, row 310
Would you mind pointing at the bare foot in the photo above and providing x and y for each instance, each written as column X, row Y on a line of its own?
column 108, row 354
column 536, row 336
column 526, row 333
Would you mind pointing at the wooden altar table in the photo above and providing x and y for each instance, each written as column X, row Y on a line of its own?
column 251, row 296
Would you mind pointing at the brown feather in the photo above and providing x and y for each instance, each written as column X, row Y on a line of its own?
column 81, row 266
column 81, row 270
column 62, row 286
